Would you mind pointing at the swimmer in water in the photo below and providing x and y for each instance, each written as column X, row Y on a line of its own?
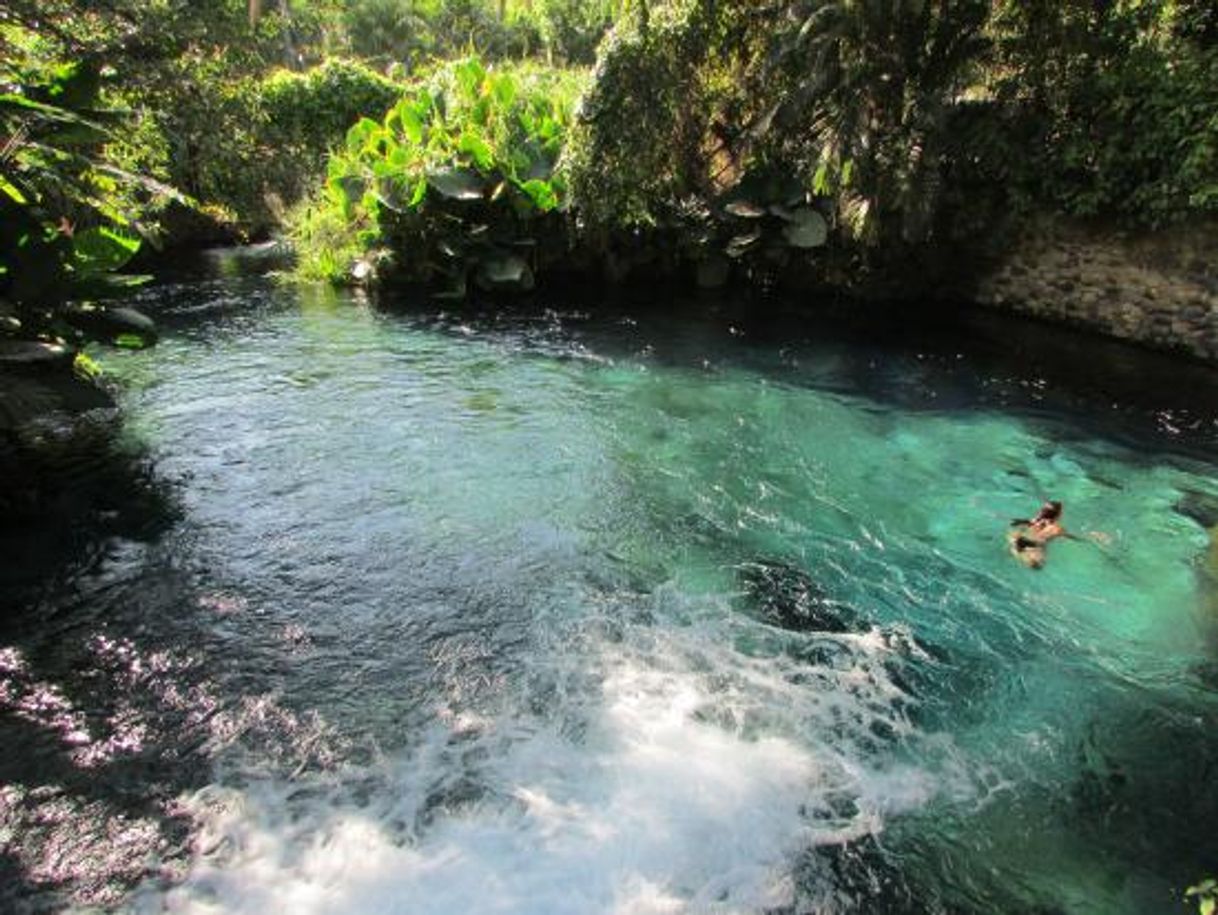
column 1032, row 535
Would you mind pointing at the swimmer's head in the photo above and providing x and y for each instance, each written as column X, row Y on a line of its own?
column 1050, row 511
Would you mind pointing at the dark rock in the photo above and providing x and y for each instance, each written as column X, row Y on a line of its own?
column 787, row 596
column 113, row 325
column 26, row 397
column 34, row 354
column 1202, row 507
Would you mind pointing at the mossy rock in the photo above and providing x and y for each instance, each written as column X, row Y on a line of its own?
column 121, row 326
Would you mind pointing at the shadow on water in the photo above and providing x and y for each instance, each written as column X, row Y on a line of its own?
column 70, row 485
column 83, row 783
column 112, row 701
column 916, row 357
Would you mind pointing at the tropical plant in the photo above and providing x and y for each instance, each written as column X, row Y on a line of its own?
column 1116, row 108
column 1206, row 895
column 65, row 228
column 571, row 30
column 454, row 184
column 873, row 87
column 69, row 217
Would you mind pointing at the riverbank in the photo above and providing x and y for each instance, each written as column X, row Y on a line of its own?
column 1159, row 289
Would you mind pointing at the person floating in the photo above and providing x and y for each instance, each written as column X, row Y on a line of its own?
column 1031, row 535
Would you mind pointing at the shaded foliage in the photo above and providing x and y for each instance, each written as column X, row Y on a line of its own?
column 905, row 124
column 69, row 217
column 251, row 145
column 1112, row 106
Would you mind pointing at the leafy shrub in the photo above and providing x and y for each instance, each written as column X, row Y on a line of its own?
column 244, row 144
column 1141, row 141
column 210, row 121
column 1105, row 110
column 302, row 115
column 570, row 30
column 455, row 182
column 69, row 217
column 639, row 148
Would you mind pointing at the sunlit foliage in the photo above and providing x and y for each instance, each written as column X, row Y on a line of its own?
column 450, row 184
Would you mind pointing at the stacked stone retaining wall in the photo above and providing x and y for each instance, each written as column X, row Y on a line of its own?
column 1159, row 289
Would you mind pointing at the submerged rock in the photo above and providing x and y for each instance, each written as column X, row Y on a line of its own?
column 1200, row 506
column 32, row 354
column 121, row 326
column 26, row 397
column 788, row 597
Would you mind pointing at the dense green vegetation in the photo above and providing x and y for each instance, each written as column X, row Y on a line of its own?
column 456, row 182
column 448, row 142
column 903, row 123
column 69, row 216
column 732, row 137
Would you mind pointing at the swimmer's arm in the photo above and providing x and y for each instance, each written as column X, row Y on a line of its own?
column 1097, row 537
column 1021, row 522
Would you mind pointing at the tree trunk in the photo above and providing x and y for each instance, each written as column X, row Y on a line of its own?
column 291, row 57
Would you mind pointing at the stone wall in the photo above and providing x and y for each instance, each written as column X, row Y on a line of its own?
column 1160, row 288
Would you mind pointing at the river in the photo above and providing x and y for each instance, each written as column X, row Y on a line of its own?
column 663, row 607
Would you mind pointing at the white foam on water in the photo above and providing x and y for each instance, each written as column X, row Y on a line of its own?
column 685, row 780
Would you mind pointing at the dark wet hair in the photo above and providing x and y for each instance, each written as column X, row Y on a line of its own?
column 1050, row 511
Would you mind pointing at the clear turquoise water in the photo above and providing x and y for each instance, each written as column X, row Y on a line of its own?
column 447, row 615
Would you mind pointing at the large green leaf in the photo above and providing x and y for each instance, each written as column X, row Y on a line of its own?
column 102, row 250
column 12, row 191
column 469, row 75
column 477, row 149
column 408, row 115
column 541, row 193
column 420, row 192
column 739, row 245
column 363, row 136
column 394, row 193
column 456, row 184
column 806, row 229
column 505, row 271
column 745, row 209
column 503, row 87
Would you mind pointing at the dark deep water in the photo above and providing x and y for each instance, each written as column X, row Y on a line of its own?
column 659, row 608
